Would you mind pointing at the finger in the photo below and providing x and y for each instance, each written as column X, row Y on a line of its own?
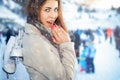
column 55, row 40
column 65, row 34
column 56, row 31
column 56, row 35
column 62, row 30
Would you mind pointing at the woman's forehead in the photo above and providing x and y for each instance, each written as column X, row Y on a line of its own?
column 51, row 3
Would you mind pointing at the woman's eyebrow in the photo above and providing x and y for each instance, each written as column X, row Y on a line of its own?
column 56, row 7
column 48, row 7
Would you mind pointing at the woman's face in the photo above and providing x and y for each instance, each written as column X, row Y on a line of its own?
column 48, row 13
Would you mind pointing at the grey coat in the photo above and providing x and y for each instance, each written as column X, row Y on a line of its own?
column 42, row 59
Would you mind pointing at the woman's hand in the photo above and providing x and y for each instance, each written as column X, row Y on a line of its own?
column 59, row 34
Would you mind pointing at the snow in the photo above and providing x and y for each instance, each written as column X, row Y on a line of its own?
column 85, row 19
column 107, row 62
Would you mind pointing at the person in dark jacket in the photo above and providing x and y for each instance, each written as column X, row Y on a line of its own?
column 117, row 38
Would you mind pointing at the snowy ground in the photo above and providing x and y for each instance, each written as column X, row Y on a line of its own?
column 107, row 64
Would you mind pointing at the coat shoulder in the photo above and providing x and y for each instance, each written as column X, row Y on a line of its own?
column 31, row 29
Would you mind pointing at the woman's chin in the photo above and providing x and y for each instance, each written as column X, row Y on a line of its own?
column 47, row 26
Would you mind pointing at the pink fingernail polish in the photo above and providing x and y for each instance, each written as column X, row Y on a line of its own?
column 52, row 38
column 52, row 27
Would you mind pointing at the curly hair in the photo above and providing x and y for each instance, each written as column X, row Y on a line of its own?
column 33, row 8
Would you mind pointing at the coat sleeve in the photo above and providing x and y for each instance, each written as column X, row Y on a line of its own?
column 68, row 59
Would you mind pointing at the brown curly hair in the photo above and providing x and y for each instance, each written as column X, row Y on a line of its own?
column 34, row 7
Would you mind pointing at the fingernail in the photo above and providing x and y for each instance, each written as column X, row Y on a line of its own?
column 52, row 27
column 52, row 38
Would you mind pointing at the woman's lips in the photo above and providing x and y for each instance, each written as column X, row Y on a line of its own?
column 50, row 23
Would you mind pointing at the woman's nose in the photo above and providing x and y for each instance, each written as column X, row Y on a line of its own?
column 53, row 14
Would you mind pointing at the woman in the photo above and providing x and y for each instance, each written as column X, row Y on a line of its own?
column 47, row 49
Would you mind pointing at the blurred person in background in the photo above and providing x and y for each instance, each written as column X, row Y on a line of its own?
column 90, row 55
column 99, row 33
column 47, row 49
column 117, row 38
column 109, row 33
column 90, row 52
column 77, row 42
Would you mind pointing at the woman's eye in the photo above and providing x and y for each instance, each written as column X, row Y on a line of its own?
column 56, row 10
column 47, row 10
